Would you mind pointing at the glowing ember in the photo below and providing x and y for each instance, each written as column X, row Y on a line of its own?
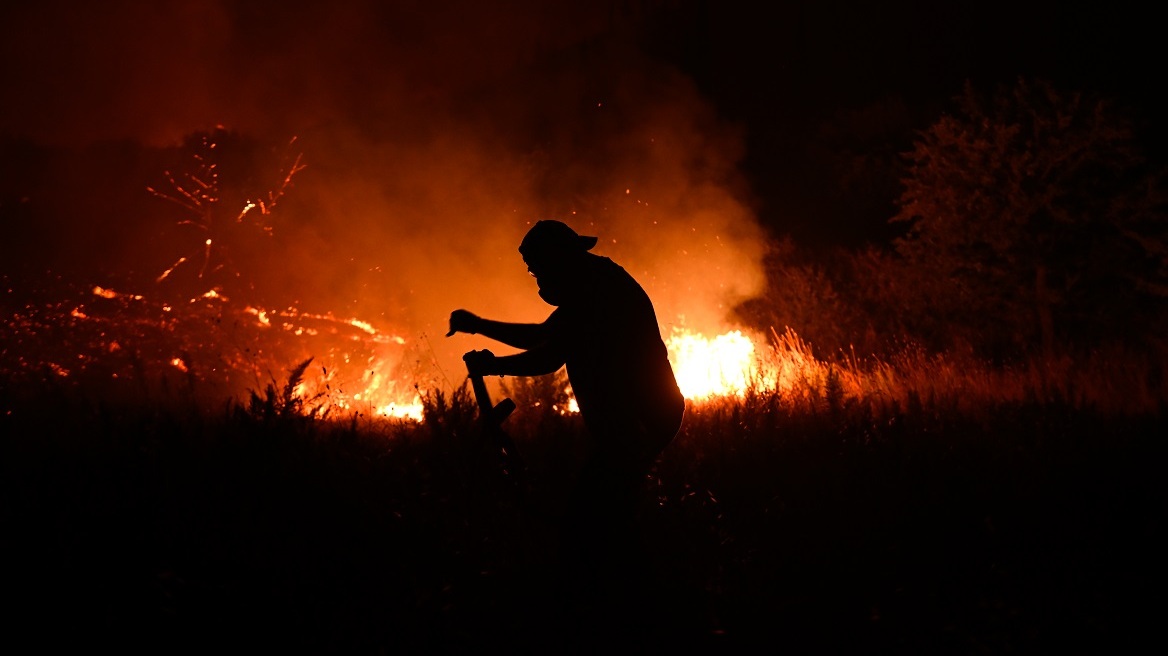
column 219, row 347
column 719, row 366
column 261, row 315
column 109, row 293
column 377, row 392
column 407, row 411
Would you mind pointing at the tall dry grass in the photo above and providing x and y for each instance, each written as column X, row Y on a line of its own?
column 1112, row 380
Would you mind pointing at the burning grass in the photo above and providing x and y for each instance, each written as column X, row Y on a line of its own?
column 214, row 349
column 786, row 371
column 209, row 348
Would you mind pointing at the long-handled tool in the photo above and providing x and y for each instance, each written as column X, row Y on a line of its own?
column 491, row 418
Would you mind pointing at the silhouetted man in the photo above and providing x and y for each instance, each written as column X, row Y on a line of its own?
column 604, row 329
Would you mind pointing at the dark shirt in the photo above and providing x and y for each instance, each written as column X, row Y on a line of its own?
column 617, row 363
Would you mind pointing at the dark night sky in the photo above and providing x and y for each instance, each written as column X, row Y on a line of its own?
column 806, row 70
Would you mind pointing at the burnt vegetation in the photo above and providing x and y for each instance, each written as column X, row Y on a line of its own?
column 973, row 465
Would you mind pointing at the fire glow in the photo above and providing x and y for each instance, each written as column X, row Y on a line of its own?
column 376, row 393
column 220, row 336
column 706, row 367
column 726, row 365
column 353, row 366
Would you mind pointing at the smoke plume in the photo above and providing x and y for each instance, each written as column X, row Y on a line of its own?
column 433, row 134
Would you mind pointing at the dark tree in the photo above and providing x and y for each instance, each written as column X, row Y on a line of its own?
column 1034, row 220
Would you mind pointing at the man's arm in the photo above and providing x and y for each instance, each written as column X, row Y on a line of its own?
column 519, row 335
column 535, row 362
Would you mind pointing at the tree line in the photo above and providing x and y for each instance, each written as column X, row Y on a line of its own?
column 1033, row 222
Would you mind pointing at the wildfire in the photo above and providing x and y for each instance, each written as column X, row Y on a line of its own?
column 706, row 367
column 411, row 411
column 723, row 365
column 357, row 367
column 223, row 339
column 376, row 393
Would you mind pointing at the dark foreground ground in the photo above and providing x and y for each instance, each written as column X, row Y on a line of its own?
column 1023, row 530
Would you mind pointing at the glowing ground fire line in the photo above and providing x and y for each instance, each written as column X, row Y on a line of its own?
column 705, row 368
column 356, row 366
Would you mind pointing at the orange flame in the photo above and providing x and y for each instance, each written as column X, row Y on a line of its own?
column 723, row 365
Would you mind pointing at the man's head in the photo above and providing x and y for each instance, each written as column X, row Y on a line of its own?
column 552, row 252
column 551, row 238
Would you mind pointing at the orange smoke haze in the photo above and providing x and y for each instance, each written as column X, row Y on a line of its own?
column 433, row 135
column 76, row 70
column 406, row 232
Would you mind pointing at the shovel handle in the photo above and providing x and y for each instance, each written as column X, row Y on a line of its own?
column 495, row 415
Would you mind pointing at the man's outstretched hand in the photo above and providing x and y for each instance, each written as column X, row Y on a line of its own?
column 462, row 321
column 479, row 363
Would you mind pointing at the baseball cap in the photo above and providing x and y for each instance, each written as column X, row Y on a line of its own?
column 551, row 236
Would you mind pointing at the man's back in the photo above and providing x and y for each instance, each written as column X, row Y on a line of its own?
column 617, row 363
